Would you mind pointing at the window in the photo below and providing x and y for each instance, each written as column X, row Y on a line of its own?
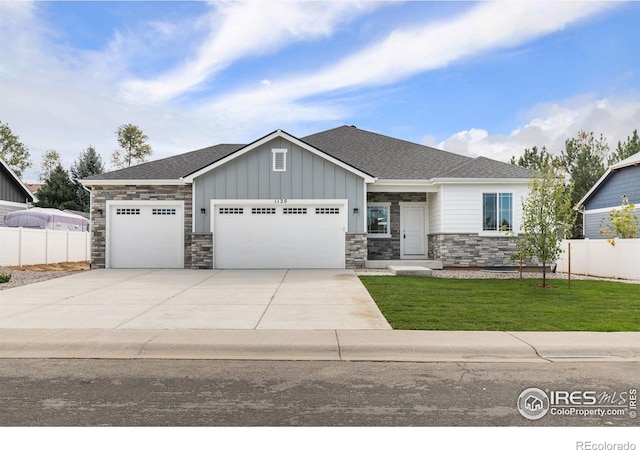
column 378, row 219
column 279, row 159
column 497, row 212
column 327, row 210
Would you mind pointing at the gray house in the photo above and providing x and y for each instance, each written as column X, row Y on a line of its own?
column 621, row 179
column 339, row 198
column 14, row 195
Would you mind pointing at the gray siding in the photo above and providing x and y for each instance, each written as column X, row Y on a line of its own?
column 8, row 190
column 625, row 181
column 592, row 224
column 307, row 177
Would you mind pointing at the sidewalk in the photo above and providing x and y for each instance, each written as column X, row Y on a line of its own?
column 322, row 345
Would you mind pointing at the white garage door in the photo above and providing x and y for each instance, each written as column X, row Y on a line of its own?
column 145, row 235
column 270, row 235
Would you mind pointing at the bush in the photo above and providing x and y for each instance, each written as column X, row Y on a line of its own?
column 5, row 277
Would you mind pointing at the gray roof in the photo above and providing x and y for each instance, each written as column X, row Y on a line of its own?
column 375, row 154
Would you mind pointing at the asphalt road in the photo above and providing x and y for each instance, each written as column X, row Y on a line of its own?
column 270, row 393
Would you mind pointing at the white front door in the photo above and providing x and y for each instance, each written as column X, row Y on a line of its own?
column 412, row 231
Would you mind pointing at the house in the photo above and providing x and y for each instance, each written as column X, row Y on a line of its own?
column 620, row 180
column 339, row 198
column 14, row 195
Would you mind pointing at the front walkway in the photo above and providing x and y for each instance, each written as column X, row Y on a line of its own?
column 145, row 299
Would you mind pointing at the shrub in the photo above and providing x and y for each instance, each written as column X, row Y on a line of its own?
column 5, row 277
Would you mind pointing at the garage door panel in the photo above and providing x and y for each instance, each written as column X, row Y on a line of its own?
column 146, row 236
column 300, row 236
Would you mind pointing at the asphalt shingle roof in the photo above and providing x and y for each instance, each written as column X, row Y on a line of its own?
column 375, row 154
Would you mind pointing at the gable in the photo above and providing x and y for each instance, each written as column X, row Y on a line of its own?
column 11, row 188
column 609, row 192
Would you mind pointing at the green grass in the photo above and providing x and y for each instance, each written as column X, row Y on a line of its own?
column 416, row 303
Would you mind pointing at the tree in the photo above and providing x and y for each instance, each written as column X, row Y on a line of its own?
column 133, row 146
column 625, row 149
column 88, row 163
column 50, row 160
column 583, row 161
column 534, row 159
column 547, row 217
column 12, row 151
column 57, row 191
column 623, row 222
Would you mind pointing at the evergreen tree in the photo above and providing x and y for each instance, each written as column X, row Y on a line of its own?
column 534, row 159
column 625, row 149
column 89, row 163
column 57, row 191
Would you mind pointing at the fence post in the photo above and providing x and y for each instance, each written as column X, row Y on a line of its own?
column 68, row 244
column 20, row 247
column 569, row 264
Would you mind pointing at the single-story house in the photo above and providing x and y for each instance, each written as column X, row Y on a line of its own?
column 14, row 195
column 620, row 180
column 335, row 199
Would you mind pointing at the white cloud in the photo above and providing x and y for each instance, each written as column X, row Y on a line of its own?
column 550, row 125
column 242, row 29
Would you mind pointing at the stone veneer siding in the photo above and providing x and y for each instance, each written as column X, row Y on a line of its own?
column 471, row 250
column 389, row 248
column 355, row 250
column 202, row 251
column 101, row 194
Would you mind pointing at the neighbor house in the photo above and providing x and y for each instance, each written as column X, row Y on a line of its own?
column 339, row 198
column 620, row 180
column 14, row 195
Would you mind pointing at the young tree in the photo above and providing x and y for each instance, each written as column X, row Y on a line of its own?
column 50, row 160
column 57, row 191
column 534, row 159
column 88, row 163
column 12, row 151
column 547, row 218
column 623, row 222
column 625, row 149
column 583, row 161
column 133, row 146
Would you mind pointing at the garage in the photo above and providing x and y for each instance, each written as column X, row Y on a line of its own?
column 145, row 234
column 278, row 234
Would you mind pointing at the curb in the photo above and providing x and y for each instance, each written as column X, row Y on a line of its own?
column 322, row 345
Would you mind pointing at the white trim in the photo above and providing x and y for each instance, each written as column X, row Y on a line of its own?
column 425, row 227
column 274, row 152
column 278, row 134
column 18, row 180
column 16, row 204
column 168, row 182
column 389, row 186
column 386, row 235
column 481, row 181
column 127, row 203
column 601, row 210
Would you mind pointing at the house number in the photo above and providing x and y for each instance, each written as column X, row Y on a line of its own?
column 280, row 200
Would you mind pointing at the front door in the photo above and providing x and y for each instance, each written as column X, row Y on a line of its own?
column 412, row 231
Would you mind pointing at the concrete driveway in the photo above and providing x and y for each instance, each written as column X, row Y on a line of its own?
column 194, row 299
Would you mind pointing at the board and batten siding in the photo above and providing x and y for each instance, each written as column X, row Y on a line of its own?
column 625, row 181
column 307, row 176
column 8, row 190
column 462, row 205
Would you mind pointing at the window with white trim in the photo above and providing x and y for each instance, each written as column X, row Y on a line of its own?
column 497, row 211
column 378, row 219
column 279, row 159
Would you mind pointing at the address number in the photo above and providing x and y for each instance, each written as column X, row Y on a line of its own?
column 280, row 200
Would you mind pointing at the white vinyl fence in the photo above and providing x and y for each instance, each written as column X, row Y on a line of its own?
column 27, row 246
column 596, row 257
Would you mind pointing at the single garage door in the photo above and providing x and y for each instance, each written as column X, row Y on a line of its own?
column 145, row 235
column 272, row 235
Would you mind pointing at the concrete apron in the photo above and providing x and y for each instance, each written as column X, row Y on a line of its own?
column 145, row 299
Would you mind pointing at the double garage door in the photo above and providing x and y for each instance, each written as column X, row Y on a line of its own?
column 247, row 234
column 279, row 234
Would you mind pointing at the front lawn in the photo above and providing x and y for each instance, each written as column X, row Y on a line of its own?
column 416, row 303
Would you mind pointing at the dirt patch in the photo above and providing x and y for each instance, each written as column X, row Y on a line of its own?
column 57, row 267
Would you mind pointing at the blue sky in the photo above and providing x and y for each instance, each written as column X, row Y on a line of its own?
column 488, row 78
